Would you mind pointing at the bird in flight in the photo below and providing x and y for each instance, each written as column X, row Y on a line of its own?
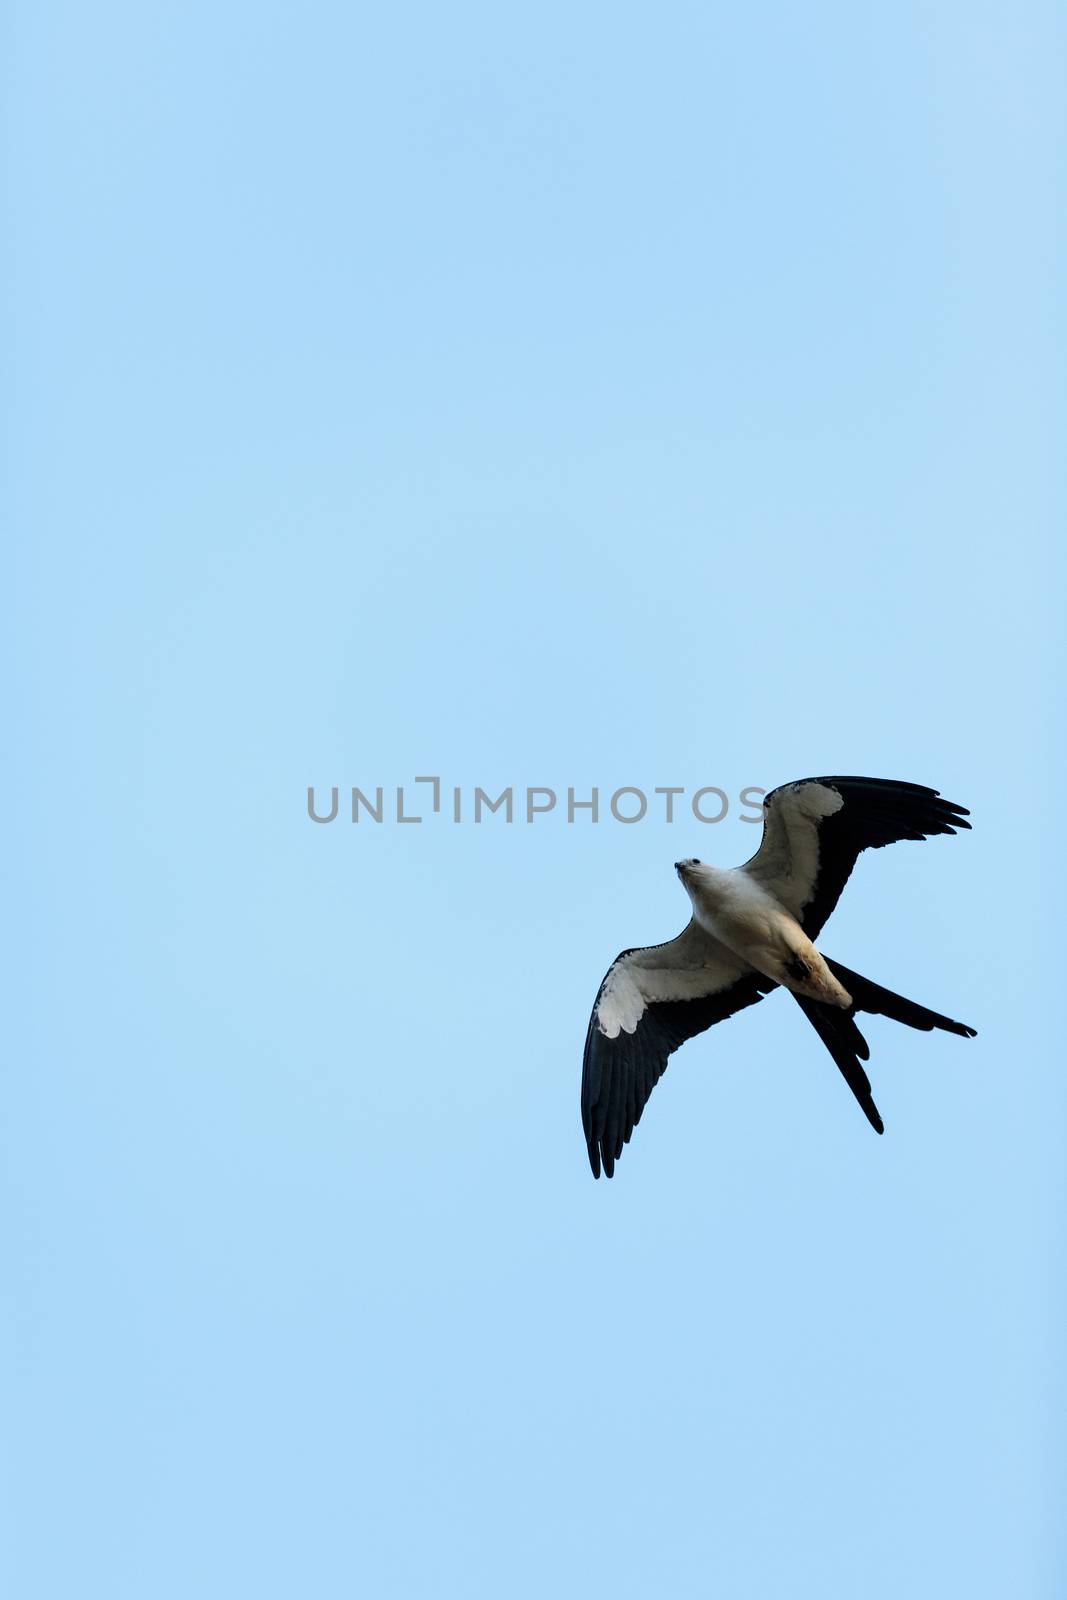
column 752, row 929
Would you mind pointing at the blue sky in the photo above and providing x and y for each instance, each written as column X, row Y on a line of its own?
column 528, row 396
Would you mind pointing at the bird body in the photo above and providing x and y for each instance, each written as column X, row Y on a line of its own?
column 749, row 920
column 753, row 929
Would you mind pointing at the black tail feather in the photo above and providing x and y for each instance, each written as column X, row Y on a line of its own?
column 838, row 1031
column 868, row 996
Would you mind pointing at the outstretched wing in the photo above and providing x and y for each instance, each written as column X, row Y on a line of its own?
column 650, row 1002
column 814, row 830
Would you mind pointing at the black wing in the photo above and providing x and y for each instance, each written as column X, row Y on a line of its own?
column 650, row 1003
column 814, row 830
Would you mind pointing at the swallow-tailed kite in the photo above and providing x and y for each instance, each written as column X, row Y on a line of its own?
column 752, row 929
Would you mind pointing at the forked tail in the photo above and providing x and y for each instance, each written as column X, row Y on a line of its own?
column 840, row 1034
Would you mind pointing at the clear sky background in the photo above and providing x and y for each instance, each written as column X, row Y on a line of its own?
column 529, row 395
